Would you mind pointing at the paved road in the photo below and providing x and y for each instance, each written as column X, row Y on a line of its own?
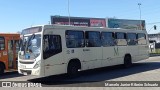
column 146, row 70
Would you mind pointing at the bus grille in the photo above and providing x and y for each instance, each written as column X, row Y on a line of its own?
column 26, row 62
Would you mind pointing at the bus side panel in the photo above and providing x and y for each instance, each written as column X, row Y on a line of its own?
column 54, row 65
column 143, row 47
column 93, row 57
column 75, row 53
column 2, row 59
column 108, row 56
column 143, row 52
column 134, row 52
column 5, row 54
column 119, row 53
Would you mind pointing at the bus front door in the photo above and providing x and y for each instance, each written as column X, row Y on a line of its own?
column 10, row 54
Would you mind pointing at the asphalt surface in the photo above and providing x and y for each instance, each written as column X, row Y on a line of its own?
column 145, row 70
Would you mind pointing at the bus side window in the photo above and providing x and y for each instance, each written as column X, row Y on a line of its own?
column 2, row 43
column 107, row 39
column 74, row 39
column 51, row 45
column 121, row 39
column 142, row 39
column 93, row 39
column 131, row 39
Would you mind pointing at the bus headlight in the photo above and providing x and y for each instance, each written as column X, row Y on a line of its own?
column 37, row 65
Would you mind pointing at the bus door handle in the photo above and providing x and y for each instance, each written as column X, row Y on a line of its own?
column 86, row 49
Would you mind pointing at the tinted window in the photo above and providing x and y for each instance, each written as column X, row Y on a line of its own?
column 107, row 39
column 51, row 45
column 74, row 39
column 142, row 39
column 141, row 36
column 93, row 39
column 2, row 43
column 120, row 35
column 131, row 39
column 121, row 39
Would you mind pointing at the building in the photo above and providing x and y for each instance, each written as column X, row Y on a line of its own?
column 78, row 21
column 155, row 37
column 99, row 22
column 125, row 24
column 154, row 42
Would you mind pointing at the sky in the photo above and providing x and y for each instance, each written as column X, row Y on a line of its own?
column 16, row 15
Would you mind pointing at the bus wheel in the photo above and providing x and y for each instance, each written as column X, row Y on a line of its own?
column 127, row 61
column 72, row 69
column 1, row 69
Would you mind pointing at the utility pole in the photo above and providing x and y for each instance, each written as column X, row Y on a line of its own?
column 69, row 13
column 139, row 4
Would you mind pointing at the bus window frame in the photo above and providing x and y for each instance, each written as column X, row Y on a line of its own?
column 113, row 38
column 138, row 39
column 135, row 40
column 4, row 43
column 66, row 38
column 87, row 39
column 51, row 54
column 125, row 39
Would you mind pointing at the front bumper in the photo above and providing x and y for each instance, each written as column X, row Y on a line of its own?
column 29, row 71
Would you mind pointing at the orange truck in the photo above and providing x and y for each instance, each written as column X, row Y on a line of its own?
column 9, row 47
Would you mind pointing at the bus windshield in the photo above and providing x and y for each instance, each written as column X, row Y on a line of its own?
column 30, row 46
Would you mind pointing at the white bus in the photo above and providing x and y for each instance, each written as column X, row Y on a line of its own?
column 57, row 49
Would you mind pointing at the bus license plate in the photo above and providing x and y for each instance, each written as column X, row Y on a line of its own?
column 23, row 66
column 25, row 73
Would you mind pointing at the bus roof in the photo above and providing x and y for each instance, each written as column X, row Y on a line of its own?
column 93, row 28
column 9, row 34
column 70, row 27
